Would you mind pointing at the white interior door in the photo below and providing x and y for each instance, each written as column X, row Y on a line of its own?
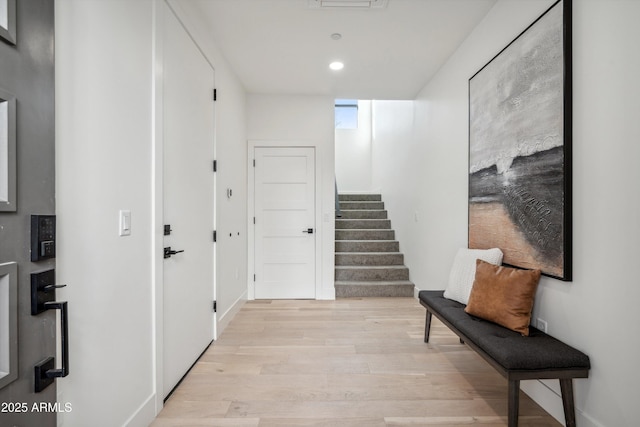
column 188, row 187
column 285, row 260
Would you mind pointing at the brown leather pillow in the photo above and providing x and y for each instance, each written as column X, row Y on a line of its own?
column 503, row 295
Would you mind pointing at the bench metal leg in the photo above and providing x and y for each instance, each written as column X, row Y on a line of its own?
column 427, row 326
column 566, row 387
column 514, row 402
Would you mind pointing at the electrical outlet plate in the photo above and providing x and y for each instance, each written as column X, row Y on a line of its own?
column 541, row 325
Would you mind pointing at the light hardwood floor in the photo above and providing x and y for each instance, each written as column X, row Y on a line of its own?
column 349, row 362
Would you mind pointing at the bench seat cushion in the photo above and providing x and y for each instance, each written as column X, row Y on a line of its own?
column 510, row 349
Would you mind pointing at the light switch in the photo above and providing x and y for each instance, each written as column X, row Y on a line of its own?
column 125, row 223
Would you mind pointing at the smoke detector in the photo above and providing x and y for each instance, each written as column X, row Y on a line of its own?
column 347, row 4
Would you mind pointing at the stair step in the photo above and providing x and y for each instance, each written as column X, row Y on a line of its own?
column 372, row 273
column 360, row 197
column 363, row 224
column 365, row 235
column 399, row 288
column 368, row 262
column 367, row 246
column 369, row 258
column 363, row 214
column 361, row 205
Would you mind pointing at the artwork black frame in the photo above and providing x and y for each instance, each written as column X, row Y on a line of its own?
column 520, row 148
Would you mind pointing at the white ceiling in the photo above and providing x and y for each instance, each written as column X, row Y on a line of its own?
column 285, row 47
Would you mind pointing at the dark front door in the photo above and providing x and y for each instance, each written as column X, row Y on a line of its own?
column 27, row 140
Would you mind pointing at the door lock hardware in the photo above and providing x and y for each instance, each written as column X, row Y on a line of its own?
column 43, row 298
column 308, row 230
column 52, row 288
column 43, row 237
column 45, row 371
column 43, row 290
column 168, row 252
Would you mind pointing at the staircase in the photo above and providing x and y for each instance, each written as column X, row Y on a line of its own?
column 368, row 261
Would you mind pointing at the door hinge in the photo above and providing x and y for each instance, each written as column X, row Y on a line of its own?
column 215, row 94
column 254, row 163
column 254, row 220
column 215, row 306
column 215, row 236
column 254, row 277
column 215, row 166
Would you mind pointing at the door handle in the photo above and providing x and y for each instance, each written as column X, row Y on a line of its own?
column 52, row 288
column 168, row 252
column 308, row 230
column 64, row 338
column 45, row 371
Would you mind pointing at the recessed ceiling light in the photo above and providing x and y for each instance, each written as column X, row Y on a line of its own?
column 336, row 36
column 336, row 65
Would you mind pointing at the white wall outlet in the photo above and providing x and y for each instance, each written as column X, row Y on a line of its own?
column 541, row 324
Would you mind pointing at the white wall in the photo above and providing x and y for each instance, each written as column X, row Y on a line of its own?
column 353, row 154
column 306, row 121
column 592, row 311
column 396, row 167
column 106, row 76
column 104, row 86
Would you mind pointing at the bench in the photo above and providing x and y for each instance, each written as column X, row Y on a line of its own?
column 515, row 357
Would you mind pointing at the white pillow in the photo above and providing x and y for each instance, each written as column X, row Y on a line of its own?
column 463, row 271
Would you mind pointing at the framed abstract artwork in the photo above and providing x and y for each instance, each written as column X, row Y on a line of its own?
column 520, row 122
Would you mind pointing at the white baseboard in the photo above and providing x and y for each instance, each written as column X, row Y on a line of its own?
column 328, row 294
column 225, row 318
column 144, row 415
column 545, row 397
column 551, row 401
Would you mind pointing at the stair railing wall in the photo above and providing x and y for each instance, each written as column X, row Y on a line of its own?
column 338, row 212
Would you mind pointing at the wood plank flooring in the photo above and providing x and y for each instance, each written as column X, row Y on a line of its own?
column 349, row 362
